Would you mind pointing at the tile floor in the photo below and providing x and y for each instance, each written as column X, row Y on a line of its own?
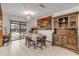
column 17, row 48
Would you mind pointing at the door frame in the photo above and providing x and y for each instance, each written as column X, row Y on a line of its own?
column 20, row 27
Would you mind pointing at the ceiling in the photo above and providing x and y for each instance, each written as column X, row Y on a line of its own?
column 46, row 9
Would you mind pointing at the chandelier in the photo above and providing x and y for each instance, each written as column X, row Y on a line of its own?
column 28, row 13
column 28, row 16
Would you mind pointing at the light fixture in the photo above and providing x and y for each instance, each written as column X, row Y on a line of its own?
column 28, row 15
column 28, row 12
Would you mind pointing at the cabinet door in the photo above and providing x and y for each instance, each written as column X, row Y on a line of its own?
column 71, row 42
column 59, row 40
column 73, row 21
column 64, row 40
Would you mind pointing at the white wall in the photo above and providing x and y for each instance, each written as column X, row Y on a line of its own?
column 7, row 16
column 48, row 33
column 6, row 21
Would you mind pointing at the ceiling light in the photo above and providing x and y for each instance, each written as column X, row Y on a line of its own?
column 29, row 15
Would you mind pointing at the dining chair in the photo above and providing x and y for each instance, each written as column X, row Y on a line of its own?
column 28, row 41
column 42, row 41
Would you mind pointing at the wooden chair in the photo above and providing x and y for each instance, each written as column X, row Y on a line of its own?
column 29, row 42
column 6, row 39
column 42, row 41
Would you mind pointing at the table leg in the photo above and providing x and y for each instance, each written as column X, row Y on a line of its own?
column 34, row 44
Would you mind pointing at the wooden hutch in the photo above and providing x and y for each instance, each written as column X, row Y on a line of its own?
column 65, row 31
column 1, row 26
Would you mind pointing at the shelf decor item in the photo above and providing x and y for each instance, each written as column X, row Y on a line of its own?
column 44, row 23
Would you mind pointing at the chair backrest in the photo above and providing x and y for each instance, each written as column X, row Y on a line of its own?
column 28, row 38
column 43, row 37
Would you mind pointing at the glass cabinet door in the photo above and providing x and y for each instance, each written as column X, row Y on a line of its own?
column 73, row 20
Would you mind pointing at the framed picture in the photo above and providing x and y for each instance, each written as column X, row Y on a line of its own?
column 44, row 23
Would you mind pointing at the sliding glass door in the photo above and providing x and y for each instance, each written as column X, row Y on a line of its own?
column 23, row 28
column 17, row 30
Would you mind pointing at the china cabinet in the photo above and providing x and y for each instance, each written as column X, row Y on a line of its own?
column 65, row 31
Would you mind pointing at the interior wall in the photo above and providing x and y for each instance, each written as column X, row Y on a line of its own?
column 6, row 22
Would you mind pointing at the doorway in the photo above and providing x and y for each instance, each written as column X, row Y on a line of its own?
column 17, row 30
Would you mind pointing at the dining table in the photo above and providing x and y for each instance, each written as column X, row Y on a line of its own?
column 34, row 37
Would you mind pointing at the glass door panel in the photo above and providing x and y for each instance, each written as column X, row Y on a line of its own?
column 23, row 29
column 15, row 32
